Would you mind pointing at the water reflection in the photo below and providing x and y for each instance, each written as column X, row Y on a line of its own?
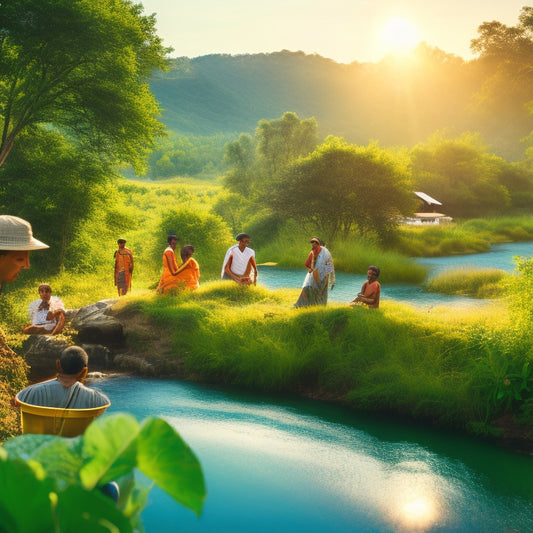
column 302, row 466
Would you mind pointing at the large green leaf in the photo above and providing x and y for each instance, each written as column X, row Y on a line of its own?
column 109, row 449
column 163, row 456
column 60, row 457
column 25, row 503
column 81, row 511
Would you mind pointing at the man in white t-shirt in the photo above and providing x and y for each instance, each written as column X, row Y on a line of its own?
column 239, row 262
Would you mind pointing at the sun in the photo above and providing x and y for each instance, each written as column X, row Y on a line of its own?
column 399, row 35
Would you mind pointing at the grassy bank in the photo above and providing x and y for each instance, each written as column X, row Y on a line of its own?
column 459, row 369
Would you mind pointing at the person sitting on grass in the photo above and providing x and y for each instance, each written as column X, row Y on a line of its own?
column 47, row 314
column 370, row 291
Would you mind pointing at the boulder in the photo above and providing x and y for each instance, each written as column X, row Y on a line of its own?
column 41, row 353
column 95, row 326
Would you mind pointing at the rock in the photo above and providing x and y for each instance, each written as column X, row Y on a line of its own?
column 94, row 326
column 41, row 353
column 99, row 356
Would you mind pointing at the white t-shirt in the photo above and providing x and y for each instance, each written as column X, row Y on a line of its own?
column 38, row 317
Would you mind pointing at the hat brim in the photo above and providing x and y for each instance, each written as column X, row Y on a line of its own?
column 34, row 244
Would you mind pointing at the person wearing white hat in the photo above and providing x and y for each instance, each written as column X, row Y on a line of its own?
column 16, row 242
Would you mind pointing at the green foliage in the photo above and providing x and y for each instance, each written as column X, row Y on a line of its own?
column 461, row 174
column 479, row 283
column 63, row 476
column 55, row 185
column 341, row 188
column 187, row 156
column 87, row 77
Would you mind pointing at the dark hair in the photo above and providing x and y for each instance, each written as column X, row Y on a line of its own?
column 73, row 360
column 171, row 237
column 186, row 251
column 121, row 240
column 241, row 236
column 45, row 286
column 375, row 269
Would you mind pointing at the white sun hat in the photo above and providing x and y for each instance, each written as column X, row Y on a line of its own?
column 16, row 234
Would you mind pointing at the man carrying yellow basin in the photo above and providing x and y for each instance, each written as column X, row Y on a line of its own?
column 67, row 390
column 63, row 405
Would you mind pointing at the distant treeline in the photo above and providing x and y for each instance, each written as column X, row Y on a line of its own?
column 398, row 101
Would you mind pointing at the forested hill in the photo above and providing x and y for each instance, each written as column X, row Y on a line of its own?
column 397, row 102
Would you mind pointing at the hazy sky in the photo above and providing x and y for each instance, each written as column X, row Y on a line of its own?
column 343, row 30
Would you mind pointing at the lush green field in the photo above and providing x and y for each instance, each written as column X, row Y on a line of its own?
column 453, row 368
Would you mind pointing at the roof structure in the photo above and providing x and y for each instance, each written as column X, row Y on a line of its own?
column 427, row 198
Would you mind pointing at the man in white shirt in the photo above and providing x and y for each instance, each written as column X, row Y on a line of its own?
column 47, row 314
column 239, row 262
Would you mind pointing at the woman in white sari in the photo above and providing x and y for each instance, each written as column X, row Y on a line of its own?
column 320, row 276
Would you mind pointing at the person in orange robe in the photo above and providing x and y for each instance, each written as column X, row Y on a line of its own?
column 188, row 274
column 123, row 267
column 170, row 266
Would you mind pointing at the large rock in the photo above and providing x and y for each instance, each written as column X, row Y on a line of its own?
column 95, row 326
column 41, row 353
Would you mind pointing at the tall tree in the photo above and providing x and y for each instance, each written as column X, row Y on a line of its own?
column 282, row 140
column 80, row 65
column 341, row 188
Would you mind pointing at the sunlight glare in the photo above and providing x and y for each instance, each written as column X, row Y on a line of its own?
column 399, row 35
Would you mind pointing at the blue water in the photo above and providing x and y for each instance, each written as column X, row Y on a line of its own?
column 296, row 465
column 348, row 285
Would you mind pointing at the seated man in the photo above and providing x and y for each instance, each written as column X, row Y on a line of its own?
column 47, row 314
column 239, row 262
column 67, row 390
column 371, row 290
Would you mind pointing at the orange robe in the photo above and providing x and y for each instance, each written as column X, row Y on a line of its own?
column 170, row 265
column 124, row 263
column 189, row 274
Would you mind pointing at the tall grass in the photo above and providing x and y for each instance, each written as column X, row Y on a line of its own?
column 478, row 283
column 448, row 367
column 463, row 237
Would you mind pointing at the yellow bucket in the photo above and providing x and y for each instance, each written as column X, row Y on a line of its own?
column 56, row 421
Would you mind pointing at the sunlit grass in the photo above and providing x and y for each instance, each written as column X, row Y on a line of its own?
column 478, row 283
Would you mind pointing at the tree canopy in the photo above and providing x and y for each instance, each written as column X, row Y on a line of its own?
column 341, row 188
column 82, row 66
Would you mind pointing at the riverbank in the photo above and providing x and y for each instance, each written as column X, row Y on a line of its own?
column 439, row 368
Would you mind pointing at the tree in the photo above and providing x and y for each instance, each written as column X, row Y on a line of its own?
column 340, row 188
column 82, row 66
column 506, row 53
column 240, row 156
column 461, row 174
column 283, row 140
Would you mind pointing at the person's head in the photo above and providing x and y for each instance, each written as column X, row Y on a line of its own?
column 186, row 252
column 121, row 243
column 244, row 239
column 16, row 241
column 172, row 240
column 45, row 291
column 315, row 242
column 73, row 362
column 373, row 272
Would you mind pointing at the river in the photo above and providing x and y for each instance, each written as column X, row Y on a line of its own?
column 348, row 285
column 291, row 465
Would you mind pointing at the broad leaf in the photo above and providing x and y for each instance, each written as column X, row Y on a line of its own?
column 24, row 497
column 81, row 511
column 163, row 456
column 109, row 449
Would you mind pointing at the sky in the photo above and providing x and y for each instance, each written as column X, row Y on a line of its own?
column 342, row 30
